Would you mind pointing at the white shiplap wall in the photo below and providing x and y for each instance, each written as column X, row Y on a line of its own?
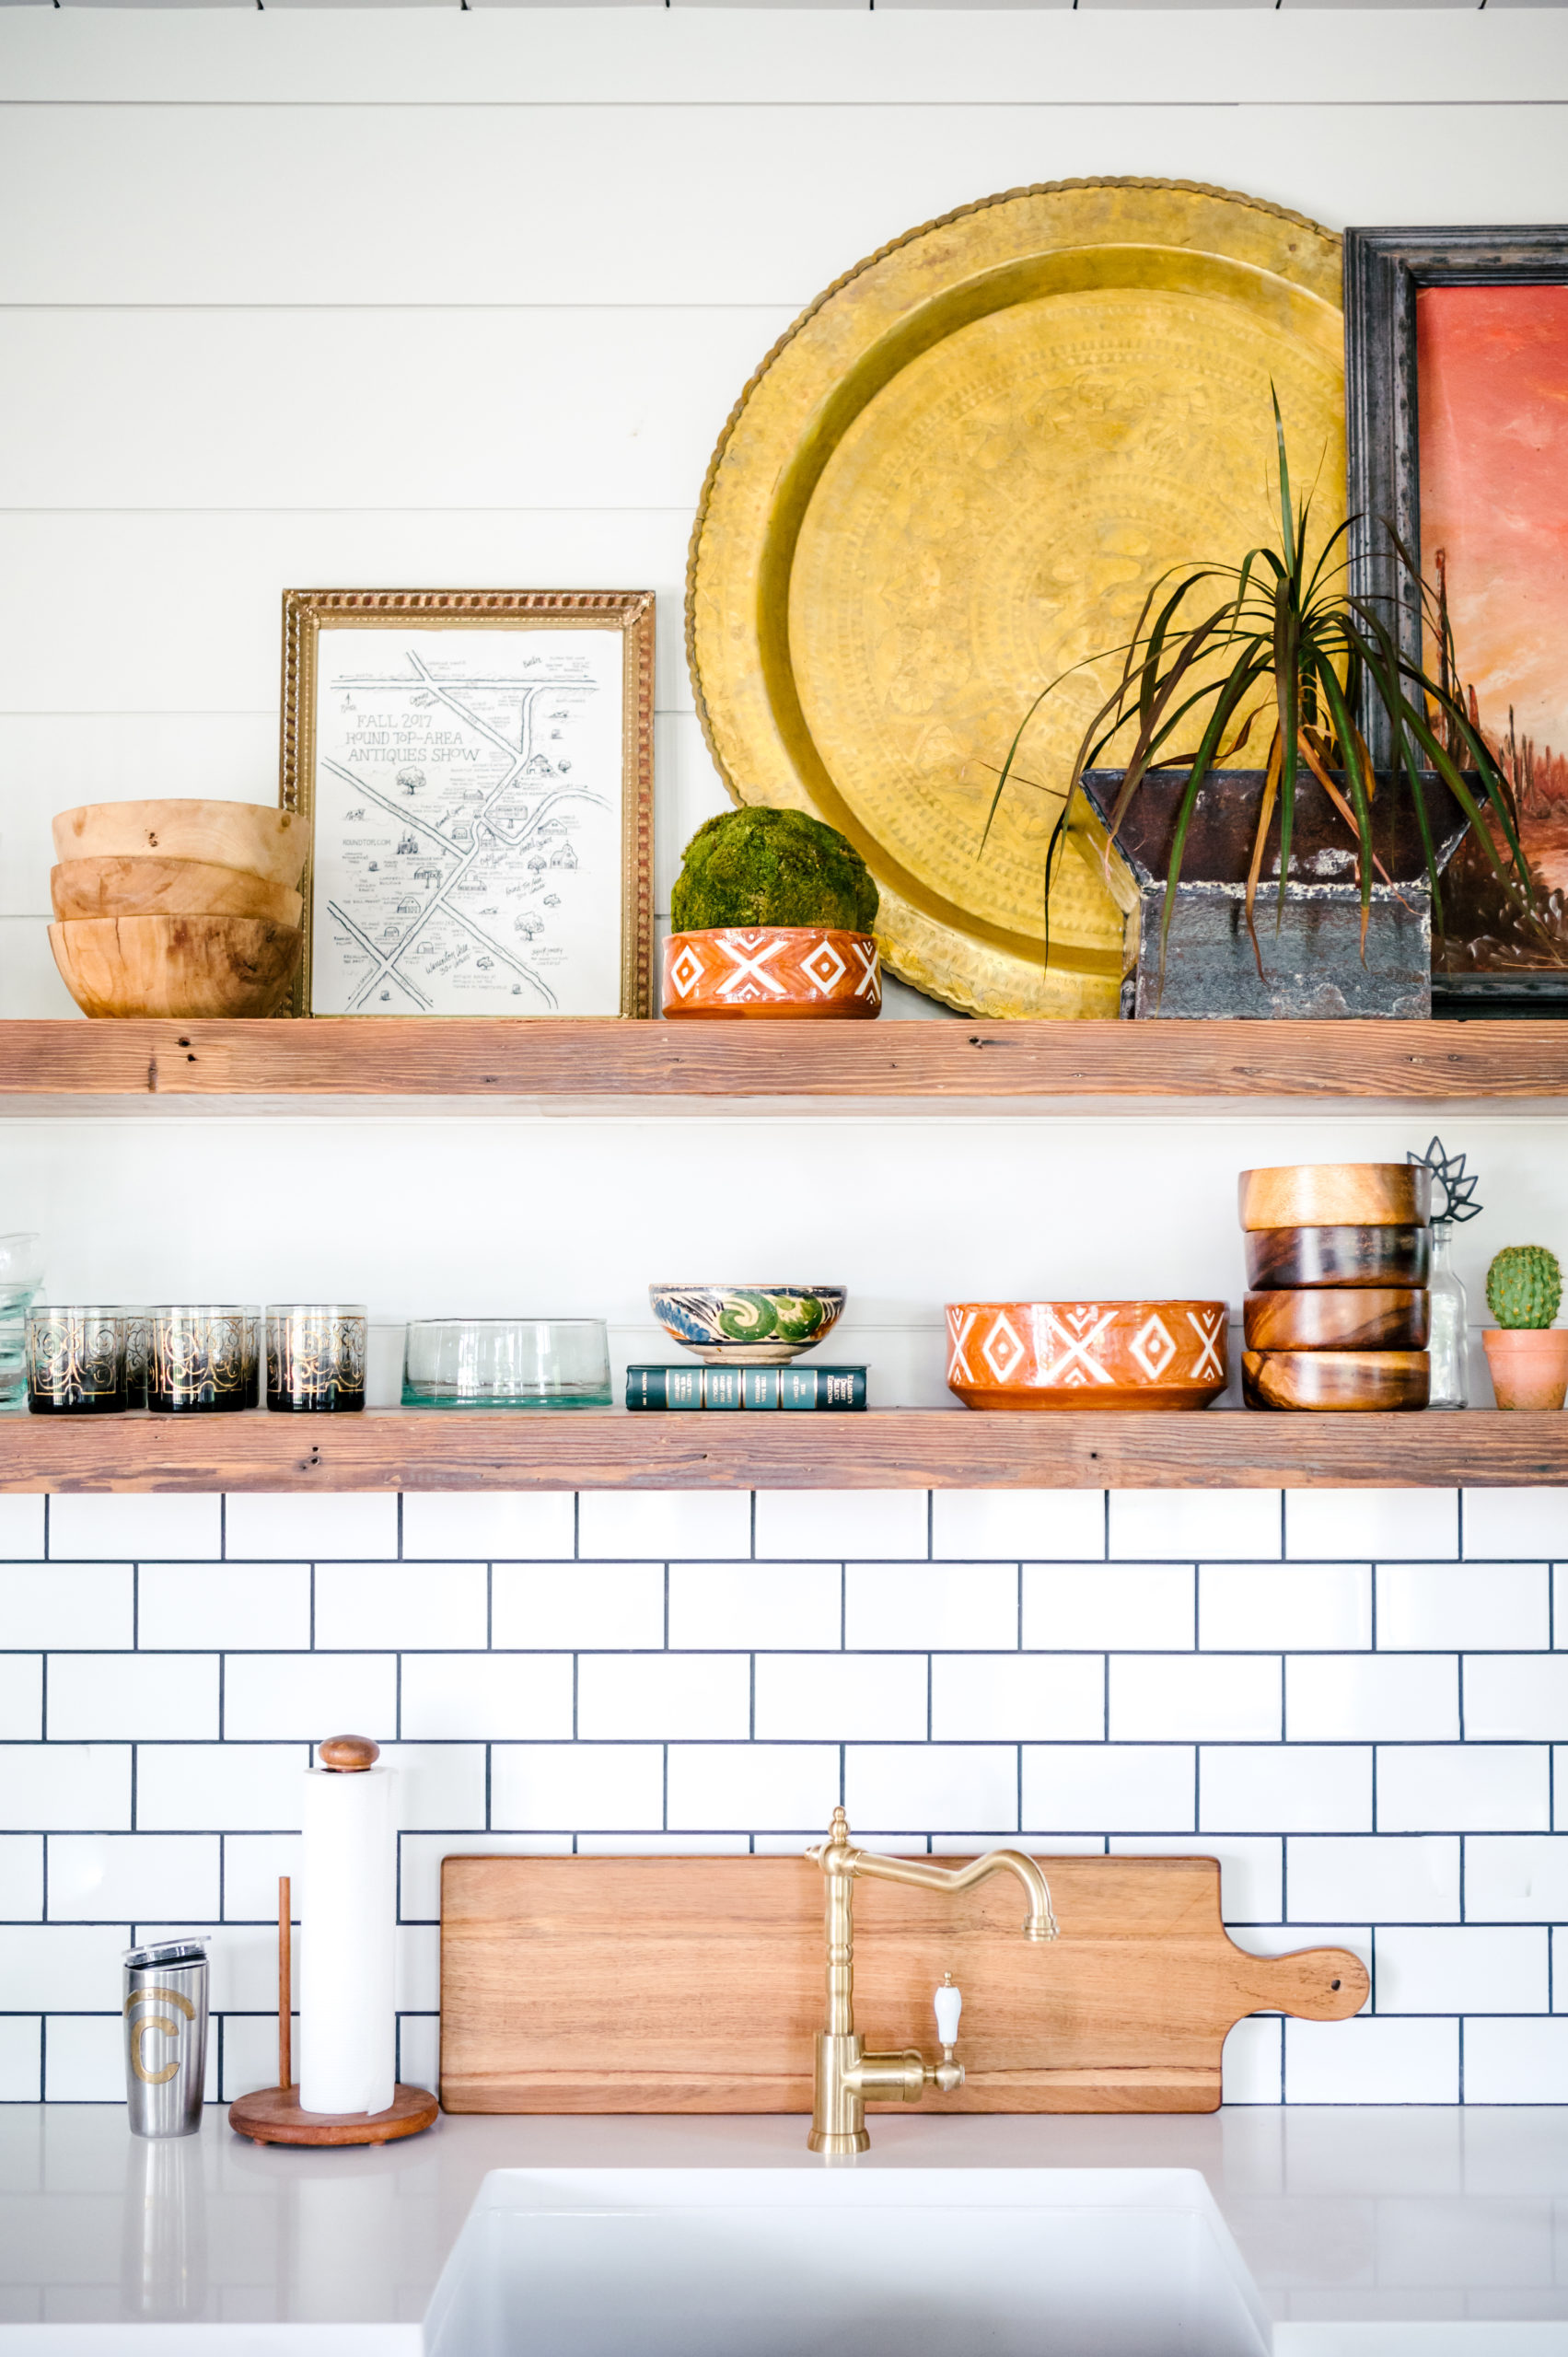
column 421, row 297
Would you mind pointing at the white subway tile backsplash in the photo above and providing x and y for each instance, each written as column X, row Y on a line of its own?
column 21, row 1879
column 1370, row 1523
column 240, row 1607
column 108, row 1696
column 936, row 1787
column 250, row 2053
column 1516, row 1878
column 1196, row 1698
column 1284, row 1607
column 21, row 2055
column 1252, row 2062
column 598, row 1606
column 762, row 1607
column 21, row 1696
column 1463, row 1788
column 662, row 1845
column 1463, row 1608
column 511, row 1698
column 1052, row 1525
column 64, row 1785
column 836, row 1522
column 97, row 1528
column 1102, row 1608
column 1030, row 1698
column 1461, row 1969
column 1516, row 1698
column 420, row 1856
column 768, row 1786
column 242, row 1787
column 1409, row 1698
column 333, row 1524
column 67, row 1606
column 419, row 2049
column 1109, row 1788
column 1516, row 1523
column 417, row 1972
column 930, row 1605
column 437, row 1785
column 576, row 1787
column 84, row 2060
column 1251, row 1867
column 835, row 1698
column 1516, row 2062
column 490, row 1523
column 360, row 1608
column 252, row 1864
column 309, row 1696
column 1372, row 2060
column 1387, row 1879
column 1148, row 1523
column 74, row 1967
column 21, row 1529
column 664, row 1696
column 1295, row 1788
column 663, row 1523
column 120, row 1878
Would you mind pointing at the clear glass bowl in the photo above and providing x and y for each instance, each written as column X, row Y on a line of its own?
column 506, row 1363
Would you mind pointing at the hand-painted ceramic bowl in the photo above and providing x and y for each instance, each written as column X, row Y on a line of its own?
column 748, row 1325
column 1138, row 1354
column 772, row 970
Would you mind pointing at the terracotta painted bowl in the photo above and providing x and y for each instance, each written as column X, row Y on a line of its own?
column 1138, row 1354
column 778, row 971
column 748, row 1325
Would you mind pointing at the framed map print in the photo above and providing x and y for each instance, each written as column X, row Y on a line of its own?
column 478, row 766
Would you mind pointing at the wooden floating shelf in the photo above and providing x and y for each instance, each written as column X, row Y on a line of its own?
column 934, row 1062
column 900, row 1449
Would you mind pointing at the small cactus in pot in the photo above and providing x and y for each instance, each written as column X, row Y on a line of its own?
column 1527, row 1355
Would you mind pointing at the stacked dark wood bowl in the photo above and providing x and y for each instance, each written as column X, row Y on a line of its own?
column 1338, row 1257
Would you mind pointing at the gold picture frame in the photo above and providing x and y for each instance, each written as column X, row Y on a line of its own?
column 498, row 972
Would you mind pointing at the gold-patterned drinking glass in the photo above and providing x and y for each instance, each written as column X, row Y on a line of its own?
column 201, row 1358
column 75, row 1361
column 316, row 1356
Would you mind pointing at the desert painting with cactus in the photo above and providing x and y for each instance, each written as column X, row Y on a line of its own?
column 1492, row 372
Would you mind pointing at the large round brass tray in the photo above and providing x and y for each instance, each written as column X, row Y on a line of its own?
column 953, row 476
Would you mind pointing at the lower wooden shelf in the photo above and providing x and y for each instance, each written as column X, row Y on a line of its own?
column 900, row 1448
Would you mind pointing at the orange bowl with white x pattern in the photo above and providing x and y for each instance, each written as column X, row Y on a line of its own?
column 1138, row 1354
column 772, row 970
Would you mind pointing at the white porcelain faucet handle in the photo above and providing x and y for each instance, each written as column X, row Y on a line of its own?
column 949, row 2006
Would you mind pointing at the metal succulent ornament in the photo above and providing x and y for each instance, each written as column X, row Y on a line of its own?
column 1332, row 660
column 1448, row 1172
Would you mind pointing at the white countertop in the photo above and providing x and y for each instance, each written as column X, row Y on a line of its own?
column 1361, row 2216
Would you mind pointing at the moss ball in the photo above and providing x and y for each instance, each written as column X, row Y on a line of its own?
column 755, row 867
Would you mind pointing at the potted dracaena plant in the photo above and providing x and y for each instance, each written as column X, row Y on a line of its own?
column 1354, row 857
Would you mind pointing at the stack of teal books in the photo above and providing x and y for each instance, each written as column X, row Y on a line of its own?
column 800, row 1388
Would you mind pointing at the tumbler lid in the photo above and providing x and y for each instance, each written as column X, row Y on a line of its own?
column 165, row 1952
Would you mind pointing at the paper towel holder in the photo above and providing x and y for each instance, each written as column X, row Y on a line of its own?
column 272, row 2115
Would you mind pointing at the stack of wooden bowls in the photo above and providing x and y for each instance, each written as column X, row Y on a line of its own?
column 178, row 909
column 1338, row 1257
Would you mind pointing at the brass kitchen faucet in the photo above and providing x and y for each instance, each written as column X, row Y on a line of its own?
column 847, row 2077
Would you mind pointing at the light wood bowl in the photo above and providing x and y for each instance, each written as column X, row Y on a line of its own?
column 1282, row 1259
column 184, row 966
column 273, row 844
column 168, row 888
column 1336, row 1194
column 1354, row 1318
column 1341, row 1382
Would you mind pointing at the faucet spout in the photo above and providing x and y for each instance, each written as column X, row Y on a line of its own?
column 1040, row 1924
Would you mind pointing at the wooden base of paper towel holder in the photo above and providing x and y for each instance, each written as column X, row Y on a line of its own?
column 272, row 2115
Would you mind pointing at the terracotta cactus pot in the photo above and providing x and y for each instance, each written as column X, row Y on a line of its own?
column 1529, row 1364
column 772, row 970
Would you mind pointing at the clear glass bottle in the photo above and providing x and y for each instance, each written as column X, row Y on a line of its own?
column 1450, row 1343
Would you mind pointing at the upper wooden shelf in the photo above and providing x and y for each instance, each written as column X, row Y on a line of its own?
column 900, row 1449
column 941, row 1061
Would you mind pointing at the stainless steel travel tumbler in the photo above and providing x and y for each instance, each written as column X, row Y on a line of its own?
column 166, row 2037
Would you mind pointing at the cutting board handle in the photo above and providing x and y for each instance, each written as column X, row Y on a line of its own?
column 1311, row 1984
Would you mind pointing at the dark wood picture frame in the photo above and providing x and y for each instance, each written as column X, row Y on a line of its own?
column 1385, row 270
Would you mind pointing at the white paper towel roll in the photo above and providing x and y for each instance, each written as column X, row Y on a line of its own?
column 348, row 2027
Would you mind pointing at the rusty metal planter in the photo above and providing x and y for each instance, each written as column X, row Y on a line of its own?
column 1311, row 949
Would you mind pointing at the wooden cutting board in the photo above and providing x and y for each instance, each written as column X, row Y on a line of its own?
column 697, row 1984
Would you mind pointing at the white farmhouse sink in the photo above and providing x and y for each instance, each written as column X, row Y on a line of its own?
column 855, row 2261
